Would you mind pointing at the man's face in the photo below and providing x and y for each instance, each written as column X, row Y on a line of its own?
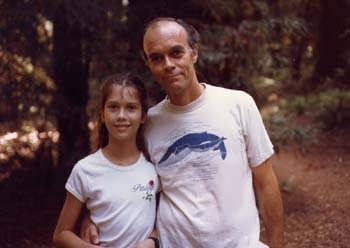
column 170, row 58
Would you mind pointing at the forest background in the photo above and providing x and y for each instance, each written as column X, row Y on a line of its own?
column 293, row 57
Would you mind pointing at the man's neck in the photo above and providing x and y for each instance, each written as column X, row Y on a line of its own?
column 189, row 96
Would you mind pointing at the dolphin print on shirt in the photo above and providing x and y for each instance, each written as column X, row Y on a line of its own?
column 193, row 142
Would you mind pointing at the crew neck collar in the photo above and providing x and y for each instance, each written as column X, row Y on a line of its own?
column 121, row 167
column 188, row 107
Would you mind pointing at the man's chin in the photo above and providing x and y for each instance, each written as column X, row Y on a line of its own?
column 175, row 83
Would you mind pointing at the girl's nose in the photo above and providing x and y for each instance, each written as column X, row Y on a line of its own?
column 121, row 113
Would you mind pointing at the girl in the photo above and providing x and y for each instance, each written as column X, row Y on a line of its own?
column 117, row 184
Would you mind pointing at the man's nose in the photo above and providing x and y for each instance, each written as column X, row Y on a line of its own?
column 168, row 62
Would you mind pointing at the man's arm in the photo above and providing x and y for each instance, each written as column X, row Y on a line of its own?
column 269, row 201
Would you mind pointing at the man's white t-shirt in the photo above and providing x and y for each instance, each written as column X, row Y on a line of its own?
column 203, row 153
column 121, row 199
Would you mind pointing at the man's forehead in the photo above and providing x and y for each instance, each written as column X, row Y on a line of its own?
column 165, row 34
column 165, row 27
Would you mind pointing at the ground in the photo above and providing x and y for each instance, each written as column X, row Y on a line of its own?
column 316, row 192
column 315, row 187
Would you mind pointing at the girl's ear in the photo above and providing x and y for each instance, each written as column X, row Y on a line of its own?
column 102, row 117
column 143, row 119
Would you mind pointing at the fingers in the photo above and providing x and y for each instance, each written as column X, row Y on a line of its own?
column 84, row 229
column 84, row 234
column 89, row 231
column 93, row 233
column 90, row 235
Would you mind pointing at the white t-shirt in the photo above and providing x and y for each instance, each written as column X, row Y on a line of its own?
column 121, row 199
column 203, row 153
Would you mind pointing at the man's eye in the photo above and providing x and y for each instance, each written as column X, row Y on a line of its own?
column 155, row 58
column 177, row 53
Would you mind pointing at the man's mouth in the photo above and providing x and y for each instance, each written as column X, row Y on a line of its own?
column 171, row 76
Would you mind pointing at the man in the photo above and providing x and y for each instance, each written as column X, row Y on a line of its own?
column 210, row 149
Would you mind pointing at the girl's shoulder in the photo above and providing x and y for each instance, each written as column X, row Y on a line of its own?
column 91, row 157
column 90, row 162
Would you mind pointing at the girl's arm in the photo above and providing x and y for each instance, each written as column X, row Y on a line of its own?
column 64, row 235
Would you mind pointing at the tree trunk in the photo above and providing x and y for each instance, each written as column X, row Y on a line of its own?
column 300, row 46
column 332, row 41
column 70, row 74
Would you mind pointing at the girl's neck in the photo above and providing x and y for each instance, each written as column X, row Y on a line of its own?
column 121, row 154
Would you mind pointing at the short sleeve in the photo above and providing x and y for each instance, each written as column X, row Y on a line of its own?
column 77, row 184
column 258, row 144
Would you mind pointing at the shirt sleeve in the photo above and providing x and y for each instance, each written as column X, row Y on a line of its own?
column 258, row 144
column 77, row 184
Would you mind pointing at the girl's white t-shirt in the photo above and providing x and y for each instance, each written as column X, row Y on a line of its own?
column 121, row 199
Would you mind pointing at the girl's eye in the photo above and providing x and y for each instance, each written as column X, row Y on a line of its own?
column 113, row 107
column 132, row 107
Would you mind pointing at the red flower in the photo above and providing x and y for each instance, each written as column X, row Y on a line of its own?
column 151, row 183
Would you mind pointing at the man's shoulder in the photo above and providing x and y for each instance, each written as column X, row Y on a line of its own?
column 232, row 95
column 156, row 109
column 153, row 114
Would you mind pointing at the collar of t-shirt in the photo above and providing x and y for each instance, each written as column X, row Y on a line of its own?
column 189, row 107
column 115, row 166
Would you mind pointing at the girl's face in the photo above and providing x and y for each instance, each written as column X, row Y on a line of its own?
column 122, row 114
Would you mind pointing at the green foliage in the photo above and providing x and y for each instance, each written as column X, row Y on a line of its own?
column 331, row 107
column 298, row 105
column 283, row 130
column 298, row 119
column 258, row 40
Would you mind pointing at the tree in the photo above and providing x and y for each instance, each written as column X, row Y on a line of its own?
column 333, row 42
column 71, row 72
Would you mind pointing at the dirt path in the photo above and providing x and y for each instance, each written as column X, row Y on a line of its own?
column 316, row 192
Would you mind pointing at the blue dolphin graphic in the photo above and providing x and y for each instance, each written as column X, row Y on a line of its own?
column 198, row 142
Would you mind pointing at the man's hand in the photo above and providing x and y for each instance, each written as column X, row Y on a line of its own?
column 147, row 243
column 89, row 231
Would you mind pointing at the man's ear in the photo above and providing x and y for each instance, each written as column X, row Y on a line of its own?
column 194, row 54
column 143, row 56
